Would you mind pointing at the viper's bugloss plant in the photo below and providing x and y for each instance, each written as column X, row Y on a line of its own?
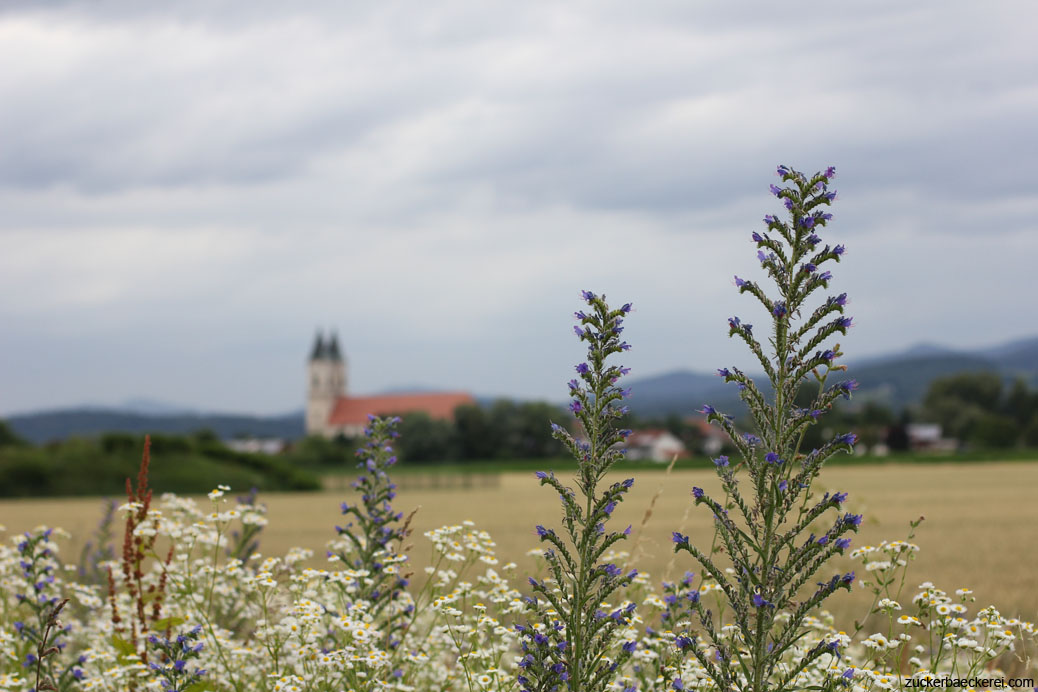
column 38, row 595
column 372, row 540
column 578, row 640
column 171, row 667
column 772, row 586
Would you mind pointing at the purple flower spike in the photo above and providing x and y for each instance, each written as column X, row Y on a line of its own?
column 697, row 493
column 707, row 410
column 587, row 296
column 775, row 190
column 830, row 172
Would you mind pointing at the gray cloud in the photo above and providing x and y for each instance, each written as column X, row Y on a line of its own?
column 200, row 185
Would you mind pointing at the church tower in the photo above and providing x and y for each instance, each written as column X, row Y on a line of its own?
column 326, row 382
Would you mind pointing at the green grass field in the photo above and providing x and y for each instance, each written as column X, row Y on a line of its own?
column 980, row 529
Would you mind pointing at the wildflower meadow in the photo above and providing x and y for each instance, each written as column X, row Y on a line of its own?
column 184, row 598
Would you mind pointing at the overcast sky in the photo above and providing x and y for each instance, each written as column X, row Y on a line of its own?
column 189, row 190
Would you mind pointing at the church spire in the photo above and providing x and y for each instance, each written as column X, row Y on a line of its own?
column 319, row 351
column 332, row 351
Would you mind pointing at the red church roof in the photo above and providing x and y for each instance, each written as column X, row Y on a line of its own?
column 355, row 410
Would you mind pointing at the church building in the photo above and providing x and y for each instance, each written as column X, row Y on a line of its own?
column 330, row 411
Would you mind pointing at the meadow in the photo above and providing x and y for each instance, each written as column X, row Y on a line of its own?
column 979, row 529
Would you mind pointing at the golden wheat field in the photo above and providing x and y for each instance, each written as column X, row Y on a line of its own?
column 981, row 527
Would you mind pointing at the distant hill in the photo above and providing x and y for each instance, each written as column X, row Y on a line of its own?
column 680, row 392
column 46, row 426
column 895, row 380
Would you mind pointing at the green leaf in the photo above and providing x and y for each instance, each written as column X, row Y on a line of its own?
column 122, row 646
column 168, row 623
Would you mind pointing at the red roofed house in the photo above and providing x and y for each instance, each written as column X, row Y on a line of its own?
column 654, row 445
column 330, row 412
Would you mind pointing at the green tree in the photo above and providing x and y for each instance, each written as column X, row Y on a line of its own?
column 8, row 437
column 476, row 436
column 1021, row 403
column 959, row 402
column 423, row 439
column 993, row 430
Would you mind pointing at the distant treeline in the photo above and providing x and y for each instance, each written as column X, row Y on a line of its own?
column 503, row 430
column 978, row 410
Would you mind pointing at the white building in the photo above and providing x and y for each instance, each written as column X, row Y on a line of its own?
column 655, row 445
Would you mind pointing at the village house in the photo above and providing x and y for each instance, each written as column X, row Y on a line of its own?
column 713, row 437
column 331, row 412
column 654, row 445
column 929, row 437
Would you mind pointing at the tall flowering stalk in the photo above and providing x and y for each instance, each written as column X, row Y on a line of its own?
column 371, row 541
column 578, row 641
column 775, row 558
